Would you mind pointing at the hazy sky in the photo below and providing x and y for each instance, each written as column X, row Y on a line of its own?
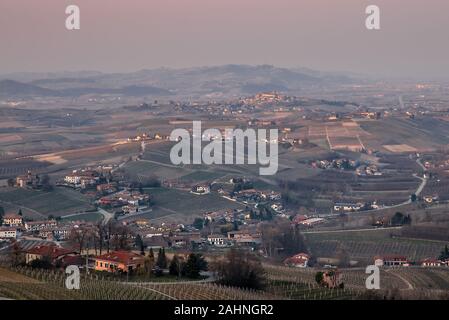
column 129, row 35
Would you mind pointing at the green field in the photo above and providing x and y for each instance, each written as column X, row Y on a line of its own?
column 36, row 203
column 170, row 202
column 146, row 168
column 88, row 217
column 200, row 175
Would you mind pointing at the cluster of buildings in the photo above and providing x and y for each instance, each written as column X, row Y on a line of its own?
column 89, row 177
column 342, row 164
column 128, row 201
column 28, row 180
column 403, row 261
column 82, row 178
column 242, row 238
column 181, row 236
column 268, row 98
column 371, row 115
column 253, row 196
column 348, row 164
column 14, row 226
column 147, row 137
column 368, row 170
column 141, row 137
column 113, row 261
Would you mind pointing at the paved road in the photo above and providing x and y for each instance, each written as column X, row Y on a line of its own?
column 107, row 215
column 418, row 191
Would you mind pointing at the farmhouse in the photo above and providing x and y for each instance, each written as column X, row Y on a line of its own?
column 52, row 252
column 216, row 240
column 118, row 261
column 299, row 260
column 55, row 233
column 182, row 239
column 8, row 233
column 130, row 209
column 311, row 222
column 431, row 262
column 430, row 198
column 223, row 215
column 124, row 198
column 155, row 241
column 245, row 238
column 391, row 261
column 46, row 234
column 299, row 218
column 348, row 206
column 62, row 233
column 27, row 180
column 200, row 189
column 82, row 178
column 12, row 220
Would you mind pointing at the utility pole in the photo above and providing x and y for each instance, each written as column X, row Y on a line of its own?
column 87, row 261
column 127, row 269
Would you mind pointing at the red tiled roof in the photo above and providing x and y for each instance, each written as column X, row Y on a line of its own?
column 299, row 217
column 299, row 258
column 73, row 261
column 12, row 216
column 49, row 250
column 431, row 260
column 119, row 256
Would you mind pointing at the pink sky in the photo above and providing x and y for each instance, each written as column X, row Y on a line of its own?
column 136, row 34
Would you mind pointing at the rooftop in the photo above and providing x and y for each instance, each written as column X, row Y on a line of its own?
column 120, row 256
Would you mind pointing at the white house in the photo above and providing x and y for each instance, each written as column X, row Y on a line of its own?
column 391, row 261
column 348, row 206
column 299, row 260
column 8, row 233
column 12, row 220
column 430, row 262
column 200, row 189
column 39, row 225
column 216, row 240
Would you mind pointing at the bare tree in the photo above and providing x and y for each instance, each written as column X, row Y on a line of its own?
column 78, row 237
column 280, row 238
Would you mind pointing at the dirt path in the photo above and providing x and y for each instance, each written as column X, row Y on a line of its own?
column 151, row 289
column 409, row 285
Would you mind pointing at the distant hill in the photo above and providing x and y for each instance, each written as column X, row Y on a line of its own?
column 199, row 82
column 127, row 91
column 11, row 88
